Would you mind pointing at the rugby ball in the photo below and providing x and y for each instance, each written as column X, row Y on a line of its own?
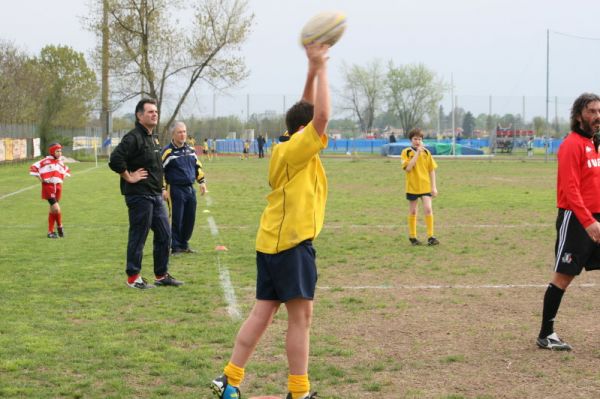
column 327, row 27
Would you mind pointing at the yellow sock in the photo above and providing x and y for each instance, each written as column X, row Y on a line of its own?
column 412, row 226
column 429, row 223
column 234, row 374
column 298, row 386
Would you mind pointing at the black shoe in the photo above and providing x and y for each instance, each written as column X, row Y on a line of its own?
column 140, row 283
column 552, row 342
column 223, row 390
column 189, row 251
column 52, row 235
column 309, row 396
column 61, row 233
column 177, row 251
column 167, row 279
column 432, row 241
column 415, row 242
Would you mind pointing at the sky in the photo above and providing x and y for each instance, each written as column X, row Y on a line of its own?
column 485, row 48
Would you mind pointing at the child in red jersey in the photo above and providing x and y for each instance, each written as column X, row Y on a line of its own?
column 51, row 171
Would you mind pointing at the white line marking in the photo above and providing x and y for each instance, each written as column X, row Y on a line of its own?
column 397, row 226
column 440, row 287
column 209, row 200
column 37, row 185
column 228, row 291
column 214, row 230
column 19, row 191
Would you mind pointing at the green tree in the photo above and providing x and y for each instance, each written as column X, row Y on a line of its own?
column 540, row 126
column 414, row 93
column 363, row 92
column 69, row 90
column 155, row 55
column 468, row 124
column 20, row 86
column 347, row 127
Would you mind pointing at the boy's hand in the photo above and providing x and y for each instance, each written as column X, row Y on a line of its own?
column 317, row 55
column 434, row 192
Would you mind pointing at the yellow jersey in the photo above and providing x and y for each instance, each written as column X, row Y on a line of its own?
column 296, row 205
column 417, row 179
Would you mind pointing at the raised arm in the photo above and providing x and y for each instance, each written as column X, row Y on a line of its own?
column 316, row 89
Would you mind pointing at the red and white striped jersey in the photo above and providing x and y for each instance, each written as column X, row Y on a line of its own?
column 50, row 170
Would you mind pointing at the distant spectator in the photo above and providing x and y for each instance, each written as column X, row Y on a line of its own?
column 530, row 147
column 392, row 138
column 206, row 150
column 246, row 150
column 260, row 141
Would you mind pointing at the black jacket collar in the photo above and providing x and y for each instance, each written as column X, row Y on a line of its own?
column 142, row 128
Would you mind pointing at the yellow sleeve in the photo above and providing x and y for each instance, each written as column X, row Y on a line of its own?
column 405, row 158
column 432, row 164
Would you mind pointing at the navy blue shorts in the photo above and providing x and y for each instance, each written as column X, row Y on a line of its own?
column 414, row 197
column 574, row 248
column 287, row 275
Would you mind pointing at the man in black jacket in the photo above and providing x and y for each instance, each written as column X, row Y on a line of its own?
column 137, row 159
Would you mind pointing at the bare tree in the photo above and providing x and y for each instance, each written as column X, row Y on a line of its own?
column 414, row 92
column 362, row 92
column 152, row 55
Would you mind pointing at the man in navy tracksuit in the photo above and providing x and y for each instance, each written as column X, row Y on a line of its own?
column 182, row 168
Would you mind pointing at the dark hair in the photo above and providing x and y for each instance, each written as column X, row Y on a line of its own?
column 579, row 105
column 415, row 132
column 300, row 114
column 140, row 105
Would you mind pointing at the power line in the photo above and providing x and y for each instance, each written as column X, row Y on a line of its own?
column 576, row 36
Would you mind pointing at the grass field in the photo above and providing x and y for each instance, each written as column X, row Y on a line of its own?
column 391, row 320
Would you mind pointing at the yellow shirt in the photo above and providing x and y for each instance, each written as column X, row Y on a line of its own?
column 417, row 179
column 296, row 204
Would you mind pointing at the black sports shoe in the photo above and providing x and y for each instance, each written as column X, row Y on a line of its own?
column 309, row 396
column 552, row 342
column 432, row 241
column 223, row 390
column 52, row 235
column 140, row 283
column 167, row 279
column 415, row 242
column 189, row 251
column 61, row 232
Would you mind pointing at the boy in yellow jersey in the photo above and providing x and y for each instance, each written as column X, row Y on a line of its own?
column 285, row 257
column 205, row 150
column 420, row 183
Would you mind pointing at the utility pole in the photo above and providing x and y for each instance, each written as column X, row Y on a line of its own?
column 547, row 74
column 105, row 114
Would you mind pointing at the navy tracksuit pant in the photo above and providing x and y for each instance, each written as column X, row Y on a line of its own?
column 183, row 215
column 147, row 212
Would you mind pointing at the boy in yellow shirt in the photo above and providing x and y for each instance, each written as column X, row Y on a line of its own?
column 420, row 183
column 285, row 257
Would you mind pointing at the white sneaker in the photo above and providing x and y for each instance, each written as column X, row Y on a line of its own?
column 141, row 284
column 552, row 342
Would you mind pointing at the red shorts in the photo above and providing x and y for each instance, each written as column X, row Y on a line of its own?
column 51, row 191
